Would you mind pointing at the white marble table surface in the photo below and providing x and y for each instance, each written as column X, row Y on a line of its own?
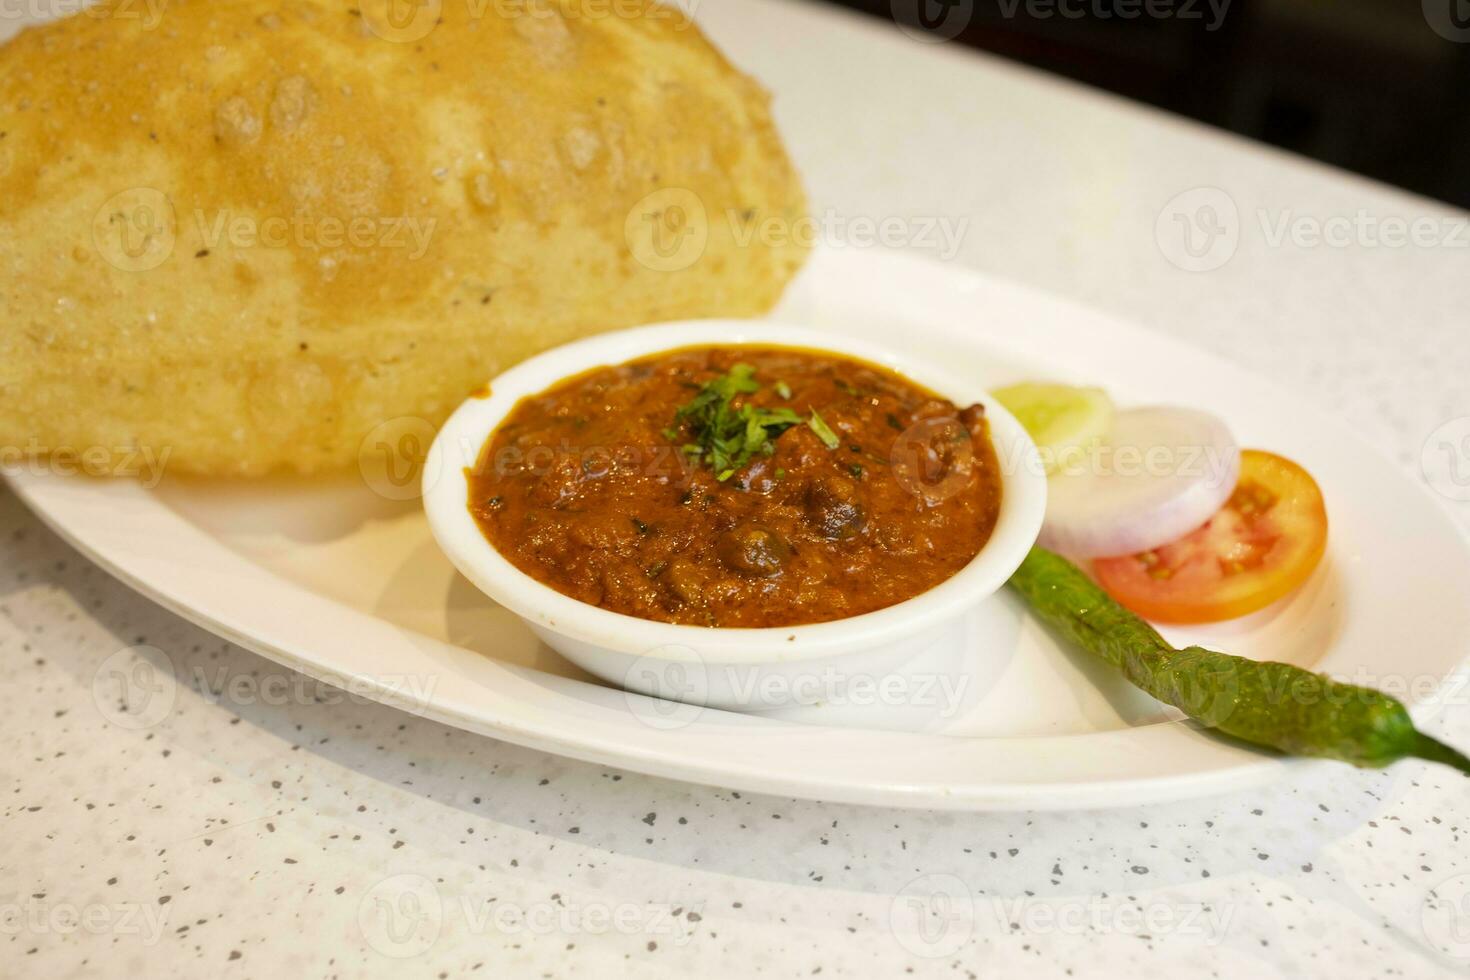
column 283, row 837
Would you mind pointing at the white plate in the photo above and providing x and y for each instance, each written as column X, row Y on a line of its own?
column 333, row 580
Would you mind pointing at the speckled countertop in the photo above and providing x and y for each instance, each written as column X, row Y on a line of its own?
column 282, row 836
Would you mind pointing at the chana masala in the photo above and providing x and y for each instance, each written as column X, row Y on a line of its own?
column 741, row 486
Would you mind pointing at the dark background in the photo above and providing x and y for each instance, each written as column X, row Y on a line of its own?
column 1367, row 85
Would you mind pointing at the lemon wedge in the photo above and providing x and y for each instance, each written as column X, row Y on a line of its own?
column 1064, row 421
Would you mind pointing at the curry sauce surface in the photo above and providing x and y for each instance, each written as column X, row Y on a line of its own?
column 589, row 488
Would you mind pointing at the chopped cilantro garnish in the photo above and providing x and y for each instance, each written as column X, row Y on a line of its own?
column 824, row 432
column 726, row 437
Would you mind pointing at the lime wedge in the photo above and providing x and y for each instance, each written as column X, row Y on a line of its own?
column 1064, row 422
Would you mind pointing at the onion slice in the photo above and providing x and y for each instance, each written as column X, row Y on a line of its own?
column 1161, row 473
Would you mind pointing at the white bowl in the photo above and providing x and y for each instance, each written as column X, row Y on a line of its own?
column 744, row 669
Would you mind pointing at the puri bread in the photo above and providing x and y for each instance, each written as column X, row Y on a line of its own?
column 245, row 235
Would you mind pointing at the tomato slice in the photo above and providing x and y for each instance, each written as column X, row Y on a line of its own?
column 1260, row 546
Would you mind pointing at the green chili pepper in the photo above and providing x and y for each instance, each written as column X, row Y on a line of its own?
column 1276, row 705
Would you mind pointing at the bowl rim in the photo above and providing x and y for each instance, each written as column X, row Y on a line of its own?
column 458, row 443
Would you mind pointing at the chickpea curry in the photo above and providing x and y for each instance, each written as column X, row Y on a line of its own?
column 744, row 486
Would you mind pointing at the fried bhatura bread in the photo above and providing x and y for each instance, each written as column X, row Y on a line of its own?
column 243, row 236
